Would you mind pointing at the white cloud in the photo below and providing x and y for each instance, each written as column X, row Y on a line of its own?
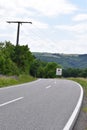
column 52, row 7
column 78, row 28
column 80, row 17
column 73, row 46
column 38, row 24
column 46, row 7
column 36, row 34
column 76, row 45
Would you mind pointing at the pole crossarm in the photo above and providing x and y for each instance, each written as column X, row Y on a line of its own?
column 18, row 30
column 18, row 22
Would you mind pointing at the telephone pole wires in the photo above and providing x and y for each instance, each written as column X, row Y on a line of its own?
column 18, row 29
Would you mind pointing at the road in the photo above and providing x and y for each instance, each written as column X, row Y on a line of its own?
column 45, row 104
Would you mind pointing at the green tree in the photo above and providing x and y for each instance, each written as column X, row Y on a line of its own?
column 10, row 67
column 2, row 63
column 7, row 49
column 23, row 58
column 83, row 73
column 35, row 67
column 14, row 58
column 72, row 72
column 41, row 72
column 50, row 69
column 7, row 66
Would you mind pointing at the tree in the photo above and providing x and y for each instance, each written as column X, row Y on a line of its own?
column 35, row 67
column 23, row 58
column 40, row 72
column 10, row 67
column 14, row 58
column 7, row 66
column 7, row 49
column 84, row 73
column 72, row 72
column 50, row 69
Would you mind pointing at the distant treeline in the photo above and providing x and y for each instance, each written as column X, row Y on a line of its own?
column 66, row 60
column 75, row 72
column 16, row 60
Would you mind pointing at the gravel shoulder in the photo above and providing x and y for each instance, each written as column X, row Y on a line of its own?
column 81, row 123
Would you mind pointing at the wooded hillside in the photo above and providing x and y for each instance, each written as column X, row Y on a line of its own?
column 66, row 60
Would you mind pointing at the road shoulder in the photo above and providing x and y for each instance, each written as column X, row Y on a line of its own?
column 81, row 123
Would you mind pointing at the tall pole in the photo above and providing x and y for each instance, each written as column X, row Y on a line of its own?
column 18, row 29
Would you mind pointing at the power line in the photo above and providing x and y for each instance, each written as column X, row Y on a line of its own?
column 18, row 29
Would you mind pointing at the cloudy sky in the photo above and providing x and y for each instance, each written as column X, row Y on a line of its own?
column 58, row 26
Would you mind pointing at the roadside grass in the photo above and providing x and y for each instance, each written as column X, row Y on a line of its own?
column 84, row 109
column 82, row 82
column 8, row 81
column 25, row 78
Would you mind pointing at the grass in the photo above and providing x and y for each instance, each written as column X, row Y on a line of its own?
column 25, row 78
column 84, row 109
column 83, row 82
column 8, row 81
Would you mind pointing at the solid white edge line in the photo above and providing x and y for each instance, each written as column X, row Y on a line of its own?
column 75, row 113
column 6, row 103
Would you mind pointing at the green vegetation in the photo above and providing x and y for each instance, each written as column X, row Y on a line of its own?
column 75, row 72
column 84, row 109
column 8, row 80
column 25, row 78
column 66, row 60
column 15, row 64
column 43, row 70
column 14, row 60
column 18, row 61
column 73, row 65
column 83, row 82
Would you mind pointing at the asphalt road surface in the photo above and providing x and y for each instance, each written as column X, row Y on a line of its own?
column 45, row 104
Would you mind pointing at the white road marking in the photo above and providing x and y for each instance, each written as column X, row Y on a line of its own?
column 55, row 82
column 75, row 113
column 6, row 103
column 48, row 86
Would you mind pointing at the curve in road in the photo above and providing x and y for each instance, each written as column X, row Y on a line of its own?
column 45, row 104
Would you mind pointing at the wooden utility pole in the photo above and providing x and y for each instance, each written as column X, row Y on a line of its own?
column 18, row 29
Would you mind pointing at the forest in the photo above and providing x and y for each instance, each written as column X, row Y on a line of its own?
column 66, row 60
column 16, row 60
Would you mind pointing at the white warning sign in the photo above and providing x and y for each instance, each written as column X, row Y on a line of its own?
column 58, row 71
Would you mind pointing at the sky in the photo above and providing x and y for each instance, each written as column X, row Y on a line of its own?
column 58, row 26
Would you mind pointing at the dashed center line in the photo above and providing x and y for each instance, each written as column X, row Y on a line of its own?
column 48, row 86
column 55, row 82
column 6, row 103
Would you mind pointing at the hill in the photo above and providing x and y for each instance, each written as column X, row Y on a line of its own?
column 66, row 60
